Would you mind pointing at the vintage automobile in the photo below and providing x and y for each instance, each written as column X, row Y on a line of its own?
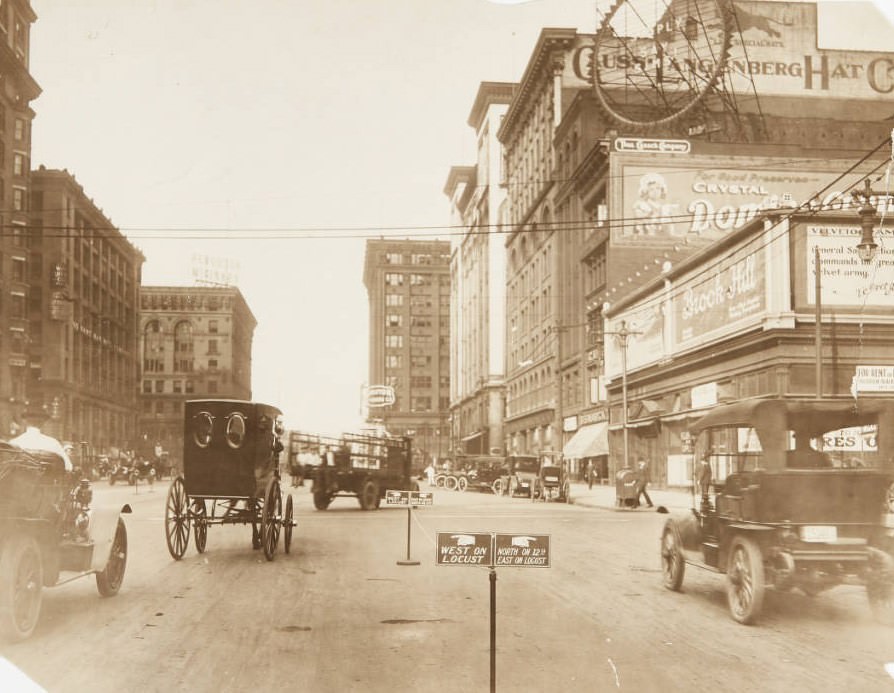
column 50, row 535
column 364, row 466
column 552, row 482
column 230, row 476
column 479, row 473
column 774, row 506
column 523, row 472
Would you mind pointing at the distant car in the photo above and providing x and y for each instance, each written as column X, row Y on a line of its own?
column 523, row 472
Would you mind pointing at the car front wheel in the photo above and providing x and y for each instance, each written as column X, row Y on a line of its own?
column 21, row 582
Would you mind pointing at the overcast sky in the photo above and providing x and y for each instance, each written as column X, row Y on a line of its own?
column 248, row 120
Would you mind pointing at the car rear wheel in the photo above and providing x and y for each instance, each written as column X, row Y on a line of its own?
column 673, row 565
column 745, row 580
column 21, row 582
column 450, row 483
column 108, row 582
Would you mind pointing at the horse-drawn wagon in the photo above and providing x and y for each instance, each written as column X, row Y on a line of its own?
column 230, row 476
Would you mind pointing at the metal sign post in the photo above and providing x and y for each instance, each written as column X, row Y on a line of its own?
column 489, row 549
column 411, row 499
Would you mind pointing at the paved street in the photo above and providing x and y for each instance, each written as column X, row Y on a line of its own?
column 340, row 614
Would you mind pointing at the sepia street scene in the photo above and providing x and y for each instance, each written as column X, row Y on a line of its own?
column 518, row 345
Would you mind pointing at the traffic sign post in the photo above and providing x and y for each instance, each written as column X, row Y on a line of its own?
column 411, row 499
column 489, row 550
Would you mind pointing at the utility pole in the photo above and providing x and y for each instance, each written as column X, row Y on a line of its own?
column 623, row 336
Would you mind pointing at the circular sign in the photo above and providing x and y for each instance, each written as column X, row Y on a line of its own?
column 655, row 60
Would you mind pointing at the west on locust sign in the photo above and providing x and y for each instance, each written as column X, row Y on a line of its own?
column 489, row 549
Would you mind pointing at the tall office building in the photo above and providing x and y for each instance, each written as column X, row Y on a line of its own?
column 82, row 306
column 408, row 284
column 17, row 90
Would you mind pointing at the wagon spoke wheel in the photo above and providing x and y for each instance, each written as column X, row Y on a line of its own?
column 271, row 519
column 108, row 582
column 287, row 524
column 673, row 565
column 497, row 487
column 200, row 530
column 21, row 581
column 745, row 580
column 177, row 519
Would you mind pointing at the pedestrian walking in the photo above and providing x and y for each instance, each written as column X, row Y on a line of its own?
column 642, row 482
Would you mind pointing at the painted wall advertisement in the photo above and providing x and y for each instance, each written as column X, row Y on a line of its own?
column 846, row 280
column 724, row 296
column 774, row 51
column 695, row 201
column 644, row 326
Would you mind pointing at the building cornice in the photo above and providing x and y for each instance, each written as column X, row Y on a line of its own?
column 489, row 93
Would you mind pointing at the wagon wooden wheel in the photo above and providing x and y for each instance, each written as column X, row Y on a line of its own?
column 177, row 519
column 287, row 524
column 200, row 529
column 271, row 519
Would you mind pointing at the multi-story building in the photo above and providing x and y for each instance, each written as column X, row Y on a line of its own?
column 17, row 90
column 478, row 283
column 408, row 285
column 543, row 308
column 195, row 342
column 82, row 306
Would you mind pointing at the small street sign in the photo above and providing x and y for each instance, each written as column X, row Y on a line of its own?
column 522, row 550
column 408, row 498
column 465, row 548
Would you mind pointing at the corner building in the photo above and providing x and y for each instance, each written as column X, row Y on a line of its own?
column 195, row 343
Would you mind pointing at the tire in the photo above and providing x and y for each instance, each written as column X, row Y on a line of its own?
column 440, row 480
column 450, row 483
column 287, row 525
column 21, row 585
column 321, row 500
column 566, row 493
column 108, row 582
column 271, row 519
column 369, row 495
column 462, row 483
column 177, row 519
column 745, row 581
column 200, row 528
column 497, row 487
column 673, row 564
column 513, row 487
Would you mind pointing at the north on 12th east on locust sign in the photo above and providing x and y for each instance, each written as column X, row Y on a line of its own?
column 489, row 549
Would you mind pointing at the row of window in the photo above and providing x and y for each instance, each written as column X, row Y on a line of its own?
column 178, row 387
column 417, row 258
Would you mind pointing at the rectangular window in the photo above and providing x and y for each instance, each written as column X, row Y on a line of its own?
column 420, row 361
column 393, row 258
column 17, row 305
column 420, row 381
column 420, row 280
column 421, row 404
column 190, row 387
column 394, row 300
column 212, row 346
column 392, row 361
column 18, row 199
column 212, row 363
column 393, row 320
column 17, row 341
column 18, row 269
column 394, row 341
column 159, row 386
column 394, row 279
column 147, row 386
column 212, row 387
column 178, row 386
column 18, row 164
column 19, row 132
column 212, row 327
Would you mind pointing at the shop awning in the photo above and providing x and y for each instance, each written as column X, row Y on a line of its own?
column 589, row 441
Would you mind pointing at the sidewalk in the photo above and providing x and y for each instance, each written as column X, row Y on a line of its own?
column 603, row 496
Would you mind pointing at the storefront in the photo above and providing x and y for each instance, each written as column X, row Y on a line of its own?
column 737, row 321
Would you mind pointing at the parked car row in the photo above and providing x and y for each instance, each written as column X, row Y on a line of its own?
column 538, row 477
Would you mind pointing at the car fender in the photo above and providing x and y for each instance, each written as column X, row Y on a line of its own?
column 103, row 525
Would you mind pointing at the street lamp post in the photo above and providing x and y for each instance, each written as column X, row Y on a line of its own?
column 623, row 336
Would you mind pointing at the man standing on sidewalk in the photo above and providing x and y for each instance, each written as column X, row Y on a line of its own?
column 642, row 481
column 590, row 474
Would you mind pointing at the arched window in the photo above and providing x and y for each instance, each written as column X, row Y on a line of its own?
column 184, row 349
column 153, row 348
